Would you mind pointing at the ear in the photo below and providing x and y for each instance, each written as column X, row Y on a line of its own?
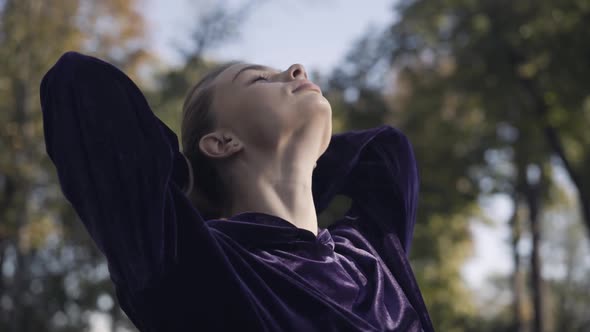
column 219, row 145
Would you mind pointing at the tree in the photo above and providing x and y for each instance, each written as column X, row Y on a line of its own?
column 503, row 50
column 493, row 61
column 52, row 274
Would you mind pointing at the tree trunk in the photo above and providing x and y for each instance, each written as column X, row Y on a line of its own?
column 16, row 293
column 517, row 285
column 532, row 193
column 552, row 136
column 554, row 140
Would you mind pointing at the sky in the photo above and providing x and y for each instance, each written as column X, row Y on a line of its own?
column 277, row 33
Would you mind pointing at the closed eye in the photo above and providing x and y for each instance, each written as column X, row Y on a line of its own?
column 260, row 78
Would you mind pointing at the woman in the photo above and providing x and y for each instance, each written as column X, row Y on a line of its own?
column 224, row 236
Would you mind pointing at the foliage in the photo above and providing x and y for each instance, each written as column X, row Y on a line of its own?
column 52, row 275
column 495, row 87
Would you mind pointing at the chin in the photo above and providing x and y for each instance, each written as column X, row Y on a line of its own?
column 317, row 122
column 314, row 104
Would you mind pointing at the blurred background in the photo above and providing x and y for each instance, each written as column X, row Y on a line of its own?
column 493, row 94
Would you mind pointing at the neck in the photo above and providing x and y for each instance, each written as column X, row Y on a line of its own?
column 277, row 187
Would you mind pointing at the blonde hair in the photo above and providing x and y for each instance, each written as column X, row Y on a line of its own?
column 205, row 190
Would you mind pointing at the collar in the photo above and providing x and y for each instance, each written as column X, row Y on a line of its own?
column 258, row 229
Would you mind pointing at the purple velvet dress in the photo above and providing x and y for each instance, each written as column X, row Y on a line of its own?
column 121, row 169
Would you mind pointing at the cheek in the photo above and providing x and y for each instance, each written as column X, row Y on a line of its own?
column 266, row 106
column 261, row 121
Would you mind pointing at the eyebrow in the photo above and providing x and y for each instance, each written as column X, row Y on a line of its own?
column 253, row 67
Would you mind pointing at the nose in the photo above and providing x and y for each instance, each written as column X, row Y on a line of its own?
column 296, row 71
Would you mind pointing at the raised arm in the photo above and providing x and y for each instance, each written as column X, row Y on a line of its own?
column 120, row 168
column 376, row 168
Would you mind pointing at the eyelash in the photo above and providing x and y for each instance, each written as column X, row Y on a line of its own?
column 259, row 77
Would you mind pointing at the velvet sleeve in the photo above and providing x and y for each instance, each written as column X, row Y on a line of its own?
column 376, row 168
column 119, row 166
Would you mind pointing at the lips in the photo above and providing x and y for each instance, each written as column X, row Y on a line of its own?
column 306, row 85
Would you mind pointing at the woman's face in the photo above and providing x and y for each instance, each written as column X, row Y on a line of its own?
column 265, row 107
